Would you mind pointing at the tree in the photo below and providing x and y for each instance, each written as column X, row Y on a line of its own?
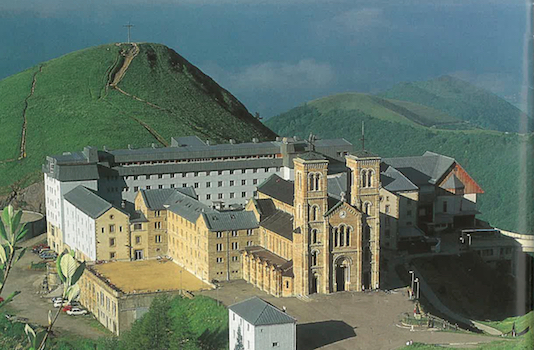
column 239, row 343
column 153, row 330
column 11, row 234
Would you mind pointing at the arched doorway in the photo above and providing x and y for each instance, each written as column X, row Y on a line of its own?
column 342, row 274
column 314, row 284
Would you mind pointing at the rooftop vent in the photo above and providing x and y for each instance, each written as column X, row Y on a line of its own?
column 105, row 148
column 130, row 146
column 208, row 142
column 232, row 142
column 154, row 145
column 278, row 138
column 255, row 140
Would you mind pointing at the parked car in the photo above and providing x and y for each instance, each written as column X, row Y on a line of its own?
column 75, row 311
column 48, row 255
column 60, row 302
column 39, row 247
column 54, row 299
column 73, row 304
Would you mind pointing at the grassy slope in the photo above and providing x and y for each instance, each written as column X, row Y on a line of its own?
column 70, row 108
column 491, row 157
column 462, row 100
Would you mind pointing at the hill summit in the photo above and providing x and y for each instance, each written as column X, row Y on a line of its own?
column 112, row 95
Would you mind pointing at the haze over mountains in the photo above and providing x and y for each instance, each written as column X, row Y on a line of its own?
column 501, row 162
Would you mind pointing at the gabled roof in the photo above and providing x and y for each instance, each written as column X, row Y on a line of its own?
column 186, row 207
column 422, row 170
column 87, row 201
column 157, row 198
column 265, row 207
column 453, row 183
column 279, row 222
column 393, row 180
column 276, row 187
column 258, row 312
column 230, row 220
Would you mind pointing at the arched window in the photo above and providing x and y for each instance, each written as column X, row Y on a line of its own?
column 341, row 236
column 335, row 233
column 313, row 212
column 314, row 236
column 370, row 178
column 367, row 208
column 317, row 182
column 363, row 180
column 310, row 182
column 314, row 258
column 347, row 236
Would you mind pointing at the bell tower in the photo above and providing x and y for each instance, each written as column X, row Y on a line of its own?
column 363, row 186
column 310, row 205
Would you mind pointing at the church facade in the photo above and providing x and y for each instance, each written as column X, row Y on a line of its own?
column 311, row 242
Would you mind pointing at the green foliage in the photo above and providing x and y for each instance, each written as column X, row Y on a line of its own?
column 239, row 341
column 502, row 164
column 462, row 100
column 521, row 323
column 180, row 323
column 72, row 107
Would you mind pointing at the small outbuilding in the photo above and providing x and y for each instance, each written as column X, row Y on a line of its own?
column 257, row 325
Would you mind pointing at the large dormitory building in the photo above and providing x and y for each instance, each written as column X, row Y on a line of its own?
column 290, row 216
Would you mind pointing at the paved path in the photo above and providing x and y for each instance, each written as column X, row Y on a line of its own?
column 347, row 321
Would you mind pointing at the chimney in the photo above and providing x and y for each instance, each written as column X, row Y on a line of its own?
column 278, row 138
column 255, row 140
column 130, row 146
column 123, row 204
column 208, row 142
column 232, row 142
column 153, row 145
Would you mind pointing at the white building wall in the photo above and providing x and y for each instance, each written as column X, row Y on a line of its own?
column 79, row 233
column 236, row 323
column 276, row 337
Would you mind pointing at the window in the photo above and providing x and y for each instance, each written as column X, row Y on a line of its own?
column 136, row 177
column 275, row 344
column 208, row 196
column 254, row 171
column 138, row 227
column 363, row 178
column 220, row 196
column 234, row 233
column 137, row 239
column 138, row 254
column 232, row 182
column 157, row 225
column 111, row 217
column 111, row 228
column 157, row 213
column 112, row 255
column 172, row 185
column 112, row 242
column 235, row 245
column 387, row 208
column 235, row 258
column 148, row 187
column 243, row 182
column 157, row 238
column 208, row 184
column 219, row 260
column 444, row 206
column 250, row 232
column 266, row 170
column 120, row 228
column 243, row 194
column 220, row 172
column 160, row 176
column 314, row 258
column 219, row 234
column 314, row 236
column 184, row 185
column 219, row 184
column 232, row 195
column 172, row 176
column 136, row 188
column 160, row 187
column 102, row 230
column 219, row 247
column 249, row 243
column 255, row 181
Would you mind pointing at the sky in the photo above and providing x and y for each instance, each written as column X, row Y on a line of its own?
column 274, row 55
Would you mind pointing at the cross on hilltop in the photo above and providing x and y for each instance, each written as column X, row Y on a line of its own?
column 129, row 26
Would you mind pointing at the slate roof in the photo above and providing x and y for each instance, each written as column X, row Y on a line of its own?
column 363, row 154
column 276, row 187
column 187, row 207
column 265, row 207
column 87, row 201
column 75, row 172
column 183, row 141
column 156, row 199
column 453, row 183
column 394, row 181
column 258, row 312
column 230, row 220
column 422, row 170
column 336, row 185
column 310, row 155
column 279, row 222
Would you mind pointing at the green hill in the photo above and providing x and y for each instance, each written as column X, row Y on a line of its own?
column 67, row 103
column 493, row 158
column 462, row 100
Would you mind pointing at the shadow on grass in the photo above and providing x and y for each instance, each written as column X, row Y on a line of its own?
column 318, row 334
